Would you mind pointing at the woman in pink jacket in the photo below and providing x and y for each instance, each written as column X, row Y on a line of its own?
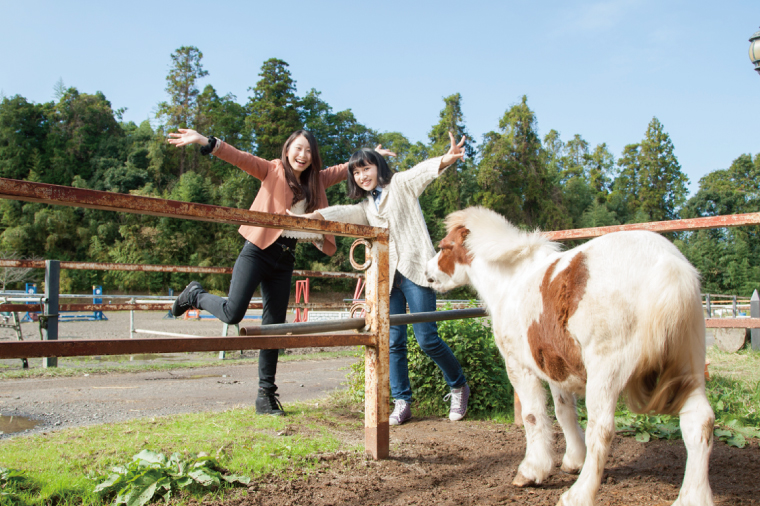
column 295, row 183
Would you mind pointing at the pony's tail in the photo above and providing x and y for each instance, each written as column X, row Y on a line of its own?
column 673, row 344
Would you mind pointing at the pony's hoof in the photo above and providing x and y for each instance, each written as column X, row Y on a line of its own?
column 522, row 481
column 570, row 469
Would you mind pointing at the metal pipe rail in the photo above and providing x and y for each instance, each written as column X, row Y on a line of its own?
column 359, row 323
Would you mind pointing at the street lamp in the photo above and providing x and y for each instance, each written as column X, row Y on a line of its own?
column 754, row 50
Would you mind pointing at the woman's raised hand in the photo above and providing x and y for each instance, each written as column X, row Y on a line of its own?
column 186, row 136
column 384, row 152
column 455, row 151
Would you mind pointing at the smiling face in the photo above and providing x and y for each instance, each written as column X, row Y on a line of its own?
column 366, row 177
column 299, row 154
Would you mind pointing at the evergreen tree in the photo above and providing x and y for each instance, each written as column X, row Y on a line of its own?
column 182, row 108
column 663, row 186
column 650, row 186
column 601, row 166
column 452, row 190
column 273, row 109
column 24, row 128
column 514, row 176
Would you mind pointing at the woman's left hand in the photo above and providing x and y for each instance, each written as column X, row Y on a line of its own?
column 384, row 152
column 312, row 216
column 455, row 151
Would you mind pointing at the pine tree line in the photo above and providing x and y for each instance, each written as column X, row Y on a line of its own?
column 80, row 140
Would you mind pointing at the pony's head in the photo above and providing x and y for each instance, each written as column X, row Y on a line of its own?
column 479, row 233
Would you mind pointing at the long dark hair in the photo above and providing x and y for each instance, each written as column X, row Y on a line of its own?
column 307, row 186
column 362, row 158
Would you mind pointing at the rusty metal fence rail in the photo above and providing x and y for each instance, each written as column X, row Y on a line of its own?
column 374, row 332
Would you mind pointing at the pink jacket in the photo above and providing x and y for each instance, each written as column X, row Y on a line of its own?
column 275, row 196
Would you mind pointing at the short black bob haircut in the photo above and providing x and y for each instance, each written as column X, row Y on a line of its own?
column 362, row 158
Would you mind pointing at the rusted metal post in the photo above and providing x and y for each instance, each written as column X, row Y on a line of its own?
column 754, row 312
column 49, row 320
column 376, row 358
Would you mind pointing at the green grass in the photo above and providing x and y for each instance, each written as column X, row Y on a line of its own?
column 63, row 467
column 77, row 366
column 743, row 365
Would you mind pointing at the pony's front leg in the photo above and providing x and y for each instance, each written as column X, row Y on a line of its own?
column 567, row 416
column 600, row 403
column 539, row 455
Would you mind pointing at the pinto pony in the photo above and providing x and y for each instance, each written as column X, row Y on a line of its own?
column 619, row 314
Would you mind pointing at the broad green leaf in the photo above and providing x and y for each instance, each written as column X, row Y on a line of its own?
column 142, row 495
column 237, row 478
column 642, row 437
column 203, row 477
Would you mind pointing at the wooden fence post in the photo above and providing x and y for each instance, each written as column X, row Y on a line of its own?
column 49, row 320
column 754, row 312
column 377, row 357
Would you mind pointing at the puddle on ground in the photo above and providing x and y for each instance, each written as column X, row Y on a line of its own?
column 11, row 424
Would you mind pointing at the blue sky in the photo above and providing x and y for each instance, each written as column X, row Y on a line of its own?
column 601, row 69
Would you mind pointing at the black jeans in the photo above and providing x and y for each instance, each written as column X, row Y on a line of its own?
column 272, row 268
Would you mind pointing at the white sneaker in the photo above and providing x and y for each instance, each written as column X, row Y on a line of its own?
column 459, row 397
column 402, row 412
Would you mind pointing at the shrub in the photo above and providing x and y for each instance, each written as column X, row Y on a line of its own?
column 472, row 342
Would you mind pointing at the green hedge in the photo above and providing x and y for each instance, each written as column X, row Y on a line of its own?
column 472, row 342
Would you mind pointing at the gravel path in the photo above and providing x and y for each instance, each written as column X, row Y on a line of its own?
column 85, row 399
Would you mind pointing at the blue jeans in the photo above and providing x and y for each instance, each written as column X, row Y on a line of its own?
column 271, row 268
column 420, row 299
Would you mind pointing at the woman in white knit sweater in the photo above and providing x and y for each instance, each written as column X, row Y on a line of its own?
column 391, row 200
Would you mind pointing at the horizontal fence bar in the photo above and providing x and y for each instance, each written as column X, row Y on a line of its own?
column 22, row 308
column 81, row 348
column 437, row 316
column 43, row 193
column 732, row 323
column 358, row 323
column 304, row 327
column 100, row 266
column 731, row 220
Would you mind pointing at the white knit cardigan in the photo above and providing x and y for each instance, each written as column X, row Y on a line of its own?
column 399, row 211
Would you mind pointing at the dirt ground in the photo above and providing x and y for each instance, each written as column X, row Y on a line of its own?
column 433, row 461
column 437, row 462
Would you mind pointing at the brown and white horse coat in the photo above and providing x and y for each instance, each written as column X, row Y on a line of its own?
column 619, row 314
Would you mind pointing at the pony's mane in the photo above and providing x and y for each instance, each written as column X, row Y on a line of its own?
column 495, row 239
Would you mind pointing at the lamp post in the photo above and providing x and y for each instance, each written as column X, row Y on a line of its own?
column 754, row 50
